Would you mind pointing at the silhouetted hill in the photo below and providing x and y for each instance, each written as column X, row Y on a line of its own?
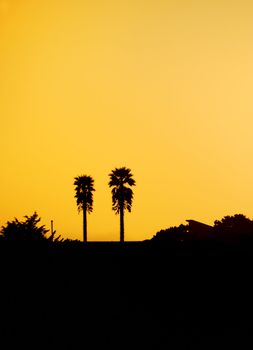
column 133, row 295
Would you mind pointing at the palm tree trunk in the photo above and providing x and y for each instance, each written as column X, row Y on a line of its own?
column 84, row 225
column 121, row 223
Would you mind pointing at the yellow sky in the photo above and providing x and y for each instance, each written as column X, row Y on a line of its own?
column 162, row 87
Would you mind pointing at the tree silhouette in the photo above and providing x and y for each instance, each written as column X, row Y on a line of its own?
column 174, row 233
column 27, row 230
column 84, row 186
column 122, row 196
column 234, row 228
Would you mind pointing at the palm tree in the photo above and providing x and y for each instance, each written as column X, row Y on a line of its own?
column 122, row 196
column 84, row 186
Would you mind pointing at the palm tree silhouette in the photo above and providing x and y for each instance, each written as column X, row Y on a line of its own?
column 122, row 196
column 84, row 186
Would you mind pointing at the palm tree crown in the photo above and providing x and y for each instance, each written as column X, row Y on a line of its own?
column 84, row 186
column 121, row 194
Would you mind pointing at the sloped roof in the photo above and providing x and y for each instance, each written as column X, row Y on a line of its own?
column 194, row 223
column 199, row 230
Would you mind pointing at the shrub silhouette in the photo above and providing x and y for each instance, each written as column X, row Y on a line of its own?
column 27, row 230
column 175, row 233
column 230, row 229
column 234, row 228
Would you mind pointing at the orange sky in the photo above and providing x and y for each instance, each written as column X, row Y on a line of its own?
column 162, row 87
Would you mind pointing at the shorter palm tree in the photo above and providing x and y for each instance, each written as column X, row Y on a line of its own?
column 122, row 195
column 84, row 186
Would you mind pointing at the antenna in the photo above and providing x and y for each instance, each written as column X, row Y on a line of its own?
column 52, row 226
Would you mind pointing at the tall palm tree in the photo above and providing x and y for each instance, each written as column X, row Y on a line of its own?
column 84, row 186
column 122, row 195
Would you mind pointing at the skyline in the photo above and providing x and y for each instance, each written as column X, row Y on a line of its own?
column 161, row 87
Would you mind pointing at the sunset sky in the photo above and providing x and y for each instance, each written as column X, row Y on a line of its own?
column 164, row 87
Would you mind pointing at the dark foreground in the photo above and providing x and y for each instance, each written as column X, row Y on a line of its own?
column 131, row 296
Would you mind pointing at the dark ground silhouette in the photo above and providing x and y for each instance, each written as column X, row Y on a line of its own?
column 139, row 295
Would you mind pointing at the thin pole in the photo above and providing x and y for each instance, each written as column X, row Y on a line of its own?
column 52, row 226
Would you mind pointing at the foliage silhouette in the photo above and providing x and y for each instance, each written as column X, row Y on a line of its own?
column 122, row 195
column 84, row 186
column 27, row 230
column 236, row 228
column 175, row 233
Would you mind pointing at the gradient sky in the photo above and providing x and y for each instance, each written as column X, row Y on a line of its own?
column 162, row 87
